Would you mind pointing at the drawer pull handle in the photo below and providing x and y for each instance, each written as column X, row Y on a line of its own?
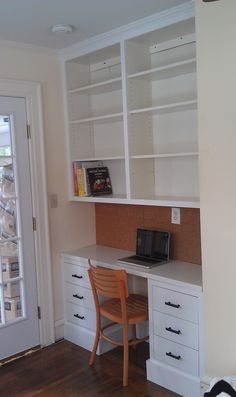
column 78, row 316
column 76, row 276
column 78, row 296
column 173, row 356
column 174, row 331
column 172, row 305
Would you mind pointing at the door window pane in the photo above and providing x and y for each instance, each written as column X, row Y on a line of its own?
column 11, row 282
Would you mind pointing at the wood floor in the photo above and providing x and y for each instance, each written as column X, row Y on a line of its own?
column 62, row 370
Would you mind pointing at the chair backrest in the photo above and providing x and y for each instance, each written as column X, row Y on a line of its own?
column 108, row 283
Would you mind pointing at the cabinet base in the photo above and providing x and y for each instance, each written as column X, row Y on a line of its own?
column 85, row 338
column 172, row 379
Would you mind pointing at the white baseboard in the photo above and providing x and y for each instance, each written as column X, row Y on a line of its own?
column 171, row 378
column 59, row 330
column 204, row 385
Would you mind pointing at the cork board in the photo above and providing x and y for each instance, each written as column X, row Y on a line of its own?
column 116, row 226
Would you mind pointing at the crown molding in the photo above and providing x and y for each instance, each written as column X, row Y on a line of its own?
column 28, row 47
column 156, row 21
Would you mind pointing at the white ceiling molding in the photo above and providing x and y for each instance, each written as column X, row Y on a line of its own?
column 141, row 26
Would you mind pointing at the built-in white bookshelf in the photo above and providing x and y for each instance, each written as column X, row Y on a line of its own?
column 133, row 106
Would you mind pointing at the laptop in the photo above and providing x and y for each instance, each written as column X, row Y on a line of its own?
column 152, row 249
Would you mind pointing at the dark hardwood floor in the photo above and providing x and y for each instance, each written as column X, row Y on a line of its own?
column 62, row 370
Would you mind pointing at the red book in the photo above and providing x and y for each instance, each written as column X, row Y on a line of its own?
column 75, row 179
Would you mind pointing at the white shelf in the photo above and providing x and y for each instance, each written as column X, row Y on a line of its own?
column 118, row 199
column 164, row 155
column 167, row 107
column 173, row 69
column 100, row 159
column 165, row 201
column 105, row 117
column 153, row 153
column 101, row 87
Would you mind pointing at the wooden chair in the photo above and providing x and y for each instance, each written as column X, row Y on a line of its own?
column 120, row 308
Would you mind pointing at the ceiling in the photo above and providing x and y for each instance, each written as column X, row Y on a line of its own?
column 30, row 21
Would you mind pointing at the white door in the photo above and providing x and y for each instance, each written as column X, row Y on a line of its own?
column 19, row 324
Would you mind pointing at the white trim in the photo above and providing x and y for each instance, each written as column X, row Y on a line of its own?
column 31, row 91
column 204, row 385
column 141, row 26
column 125, row 118
column 59, row 330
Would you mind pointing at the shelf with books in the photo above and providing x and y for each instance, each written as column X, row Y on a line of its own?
column 113, row 198
column 100, row 159
column 99, row 178
column 133, row 106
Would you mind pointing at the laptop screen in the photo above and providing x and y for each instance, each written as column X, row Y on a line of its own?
column 153, row 243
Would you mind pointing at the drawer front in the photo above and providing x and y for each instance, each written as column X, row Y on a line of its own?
column 78, row 295
column 80, row 316
column 176, row 355
column 175, row 304
column 176, row 329
column 76, row 274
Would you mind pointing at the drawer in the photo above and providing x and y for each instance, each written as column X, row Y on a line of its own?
column 79, row 295
column 176, row 329
column 76, row 274
column 81, row 316
column 176, row 355
column 175, row 303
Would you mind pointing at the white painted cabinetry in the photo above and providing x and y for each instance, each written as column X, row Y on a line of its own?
column 175, row 338
column 79, row 309
column 175, row 314
column 132, row 105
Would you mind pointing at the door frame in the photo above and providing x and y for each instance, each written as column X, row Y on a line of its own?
column 31, row 91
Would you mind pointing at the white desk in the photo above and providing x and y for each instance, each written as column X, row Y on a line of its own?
column 175, row 314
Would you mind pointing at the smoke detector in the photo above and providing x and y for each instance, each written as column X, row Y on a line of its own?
column 61, row 28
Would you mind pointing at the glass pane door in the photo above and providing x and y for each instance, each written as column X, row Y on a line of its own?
column 11, row 272
column 19, row 323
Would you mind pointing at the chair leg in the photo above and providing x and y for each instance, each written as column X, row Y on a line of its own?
column 96, row 341
column 134, row 335
column 126, row 354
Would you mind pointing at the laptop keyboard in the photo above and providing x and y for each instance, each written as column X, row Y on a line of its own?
column 141, row 262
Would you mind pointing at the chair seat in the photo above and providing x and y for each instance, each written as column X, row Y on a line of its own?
column 137, row 309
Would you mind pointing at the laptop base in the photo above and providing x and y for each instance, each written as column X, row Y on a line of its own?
column 147, row 263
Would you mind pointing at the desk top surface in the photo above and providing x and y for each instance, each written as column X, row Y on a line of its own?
column 180, row 273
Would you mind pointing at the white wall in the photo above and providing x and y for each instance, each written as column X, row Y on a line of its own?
column 71, row 224
column 216, row 34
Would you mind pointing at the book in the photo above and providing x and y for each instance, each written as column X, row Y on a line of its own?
column 82, row 182
column 99, row 180
column 80, row 179
column 74, row 170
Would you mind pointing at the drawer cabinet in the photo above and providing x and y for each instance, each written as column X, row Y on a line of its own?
column 79, row 307
column 175, row 348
